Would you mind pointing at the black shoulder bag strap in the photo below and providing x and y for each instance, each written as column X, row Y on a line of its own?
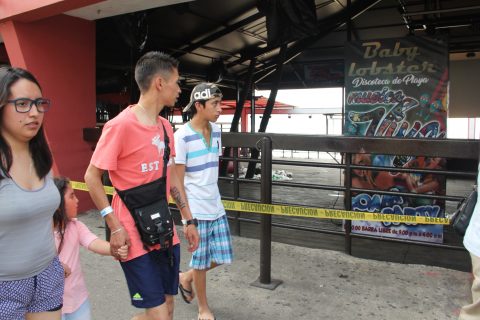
column 166, row 159
column 166, row 152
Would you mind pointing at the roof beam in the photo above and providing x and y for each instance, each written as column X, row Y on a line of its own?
column 219, row 34
column 418, row 13
column 458, row 21
column 325, row 26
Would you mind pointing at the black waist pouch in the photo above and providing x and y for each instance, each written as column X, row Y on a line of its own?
column 148, row 206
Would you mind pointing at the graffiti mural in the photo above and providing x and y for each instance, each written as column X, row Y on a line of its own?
column 397, row 88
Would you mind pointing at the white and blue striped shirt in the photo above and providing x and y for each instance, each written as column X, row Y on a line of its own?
column 201, row 170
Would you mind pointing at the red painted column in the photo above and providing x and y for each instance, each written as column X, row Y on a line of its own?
column 60, row 52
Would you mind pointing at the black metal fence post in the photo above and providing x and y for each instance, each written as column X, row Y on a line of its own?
column 348, row 202
column 265, row 281
column 236, row 190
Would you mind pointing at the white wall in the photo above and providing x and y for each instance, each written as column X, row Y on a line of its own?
column 464, row 86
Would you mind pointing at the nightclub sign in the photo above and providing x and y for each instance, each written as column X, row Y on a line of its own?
column 397, row 88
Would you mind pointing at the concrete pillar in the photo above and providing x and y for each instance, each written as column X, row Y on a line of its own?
column 60, row 52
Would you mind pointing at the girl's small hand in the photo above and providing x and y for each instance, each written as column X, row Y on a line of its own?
column 123, row 252
column 66, row 270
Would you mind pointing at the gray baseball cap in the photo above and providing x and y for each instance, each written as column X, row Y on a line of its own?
column 202, row 92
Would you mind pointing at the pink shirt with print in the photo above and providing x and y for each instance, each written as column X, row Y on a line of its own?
column 76, row 234
column 133, row 155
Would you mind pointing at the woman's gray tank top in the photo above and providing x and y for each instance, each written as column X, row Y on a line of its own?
column 27, row 244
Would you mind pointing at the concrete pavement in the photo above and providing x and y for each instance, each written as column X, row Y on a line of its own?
column 317, row 284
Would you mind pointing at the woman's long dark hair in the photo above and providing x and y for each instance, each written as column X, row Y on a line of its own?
column 38, row 146
column 60, row 219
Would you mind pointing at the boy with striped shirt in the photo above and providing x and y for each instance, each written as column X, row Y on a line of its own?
column 198, row 146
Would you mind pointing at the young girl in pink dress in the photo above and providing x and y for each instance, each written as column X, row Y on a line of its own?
column 70, row 234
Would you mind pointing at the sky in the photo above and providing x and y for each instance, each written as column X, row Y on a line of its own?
column 457, row 128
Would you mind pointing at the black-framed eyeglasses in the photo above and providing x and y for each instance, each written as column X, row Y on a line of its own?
column 24, row 105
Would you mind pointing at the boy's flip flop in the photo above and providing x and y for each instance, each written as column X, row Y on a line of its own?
column 186, row 294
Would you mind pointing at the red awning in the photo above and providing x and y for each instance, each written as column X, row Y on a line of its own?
column 260, row 103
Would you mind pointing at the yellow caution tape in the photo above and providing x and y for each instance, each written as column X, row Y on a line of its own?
column 322, row 213
column 83, row 187
column 296, row 211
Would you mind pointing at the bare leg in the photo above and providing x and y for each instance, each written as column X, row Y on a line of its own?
column 472, row 311
column 170, row 305
column 52, row 315
column 186, row 279
column 200, row 281
column 161, row 312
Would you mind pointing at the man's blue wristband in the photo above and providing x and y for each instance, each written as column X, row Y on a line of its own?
column 105, row 211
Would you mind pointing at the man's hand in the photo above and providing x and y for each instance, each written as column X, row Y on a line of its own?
column 117, row 241
column 191, row 234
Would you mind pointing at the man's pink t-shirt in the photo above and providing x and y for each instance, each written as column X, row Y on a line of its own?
column 76, row 234
column 133, row 155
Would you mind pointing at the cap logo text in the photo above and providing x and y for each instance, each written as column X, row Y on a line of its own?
column 205, row 94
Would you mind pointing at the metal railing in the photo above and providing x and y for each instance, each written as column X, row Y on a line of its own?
column 450, row 149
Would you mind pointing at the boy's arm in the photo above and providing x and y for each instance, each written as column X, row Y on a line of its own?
column 178, row 194
column 93, row 179
column 180, row 171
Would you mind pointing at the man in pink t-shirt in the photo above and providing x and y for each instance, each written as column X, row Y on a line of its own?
column 131, row 148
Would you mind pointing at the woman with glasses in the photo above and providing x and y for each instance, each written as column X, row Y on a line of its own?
column 31, row 276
